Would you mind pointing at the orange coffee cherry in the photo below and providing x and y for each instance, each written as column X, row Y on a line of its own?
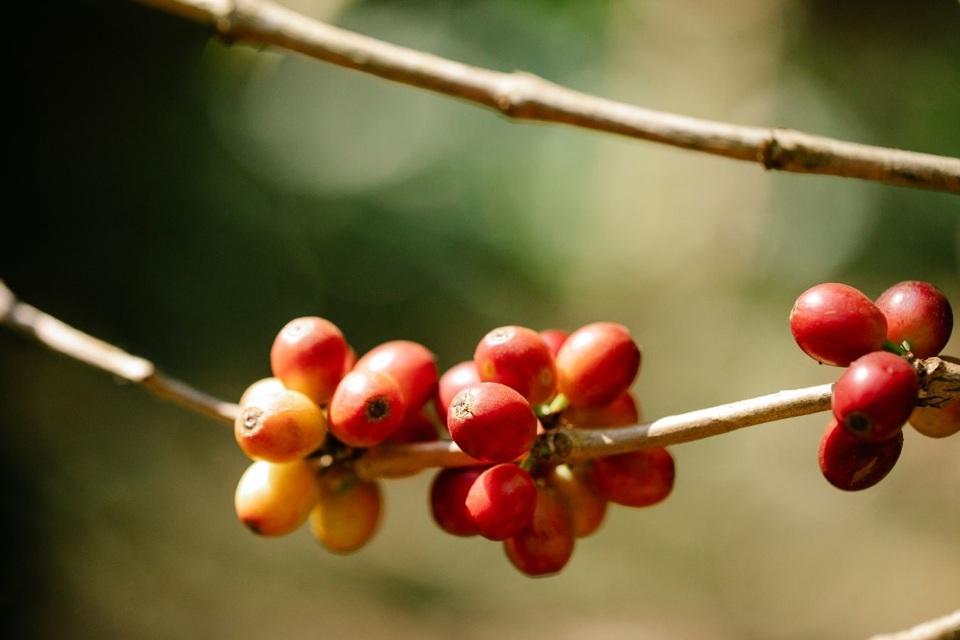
column 280, row 427
column 275, row 499
column 347, row 511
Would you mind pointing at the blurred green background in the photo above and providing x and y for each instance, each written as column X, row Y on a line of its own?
column 184, row 199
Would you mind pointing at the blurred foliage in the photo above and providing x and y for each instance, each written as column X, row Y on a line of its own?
column 184, row 198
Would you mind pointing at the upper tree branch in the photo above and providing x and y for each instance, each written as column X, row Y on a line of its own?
column 526, row 97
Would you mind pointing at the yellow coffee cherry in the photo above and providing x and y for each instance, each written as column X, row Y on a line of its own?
column 274, row 499
column 280, row 427
column 260, row 388
column 347, row 512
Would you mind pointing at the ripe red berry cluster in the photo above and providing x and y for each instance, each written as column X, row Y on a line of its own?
column 305, row 425
column 521, row 383
column 879, row 343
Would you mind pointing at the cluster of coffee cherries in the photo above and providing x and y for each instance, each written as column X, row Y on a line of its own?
column 305, row 426
column 881, row 344
column 520, row 383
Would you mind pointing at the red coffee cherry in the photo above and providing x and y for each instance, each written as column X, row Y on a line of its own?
column 448, row 500
column 919, row 313
column 554, row 339
column 622, row 412
column 308, row 356
column 518, row 358
column 545, row 545
column 491, row 422
column 349, row 361
column 851, row 464
column 275, row 499
column 456, row 378
column 411, row 364
column 578, row 488
column 597, row 363
column 875, row 396
column 279, row 427
column 635, row 479
column 501, row 501
column 347, row 512
column 937, row 422
column 836, row 324
column 415, row 427
column 366, row 408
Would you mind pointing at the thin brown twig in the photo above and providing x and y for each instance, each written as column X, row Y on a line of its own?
column 63, row 338
column 578, row 444
column 523, row 96
column 940, row 378
column 944, row 628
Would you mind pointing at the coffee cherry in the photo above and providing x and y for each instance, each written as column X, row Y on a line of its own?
column 635, row 479
column 366, row 408
column 851, row 464
column 308, row 355
column 275, row 499
column 347, row 512
column 416, row 427
column 937, row 422
column 260, row 388
column 622, row 412
column 448, row 500
column 919, row 313
column 412, row 365
column 578, row 488
column 349, row 361
column 279, row 427
column 545, row 545
column 518, row 358
column 456, row 378
column 491, row 422
column 836, row 324
column 501, row 501
column 875, row 396
column 554, row 339
column 597, row 363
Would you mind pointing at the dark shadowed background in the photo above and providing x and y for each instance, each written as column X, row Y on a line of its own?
column 184, row 199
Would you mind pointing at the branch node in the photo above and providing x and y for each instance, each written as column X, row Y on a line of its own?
column 516, row 94
column 770, row 150
column 223, row 23
column 524, row 96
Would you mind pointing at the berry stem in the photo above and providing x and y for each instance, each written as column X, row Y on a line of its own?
column 893, row 348
column 559, row 404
